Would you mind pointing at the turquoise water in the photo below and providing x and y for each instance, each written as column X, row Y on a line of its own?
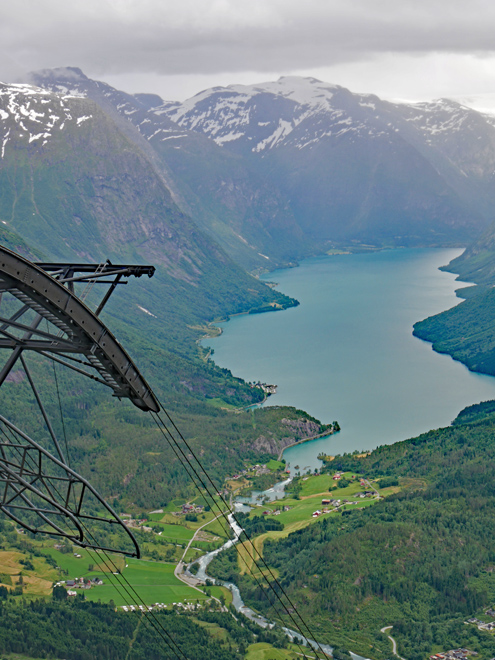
column 347, row 353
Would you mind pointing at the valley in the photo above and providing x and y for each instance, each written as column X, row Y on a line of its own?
column 226, row 193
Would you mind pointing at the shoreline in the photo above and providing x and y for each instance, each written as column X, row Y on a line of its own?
column 325, row 434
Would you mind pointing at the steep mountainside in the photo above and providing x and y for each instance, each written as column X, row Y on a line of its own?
column 459, row 142
column 245, row 214
column 74, row 186
column 283, row 169
column 467, row 331
column 477, row 262
column 353, row 166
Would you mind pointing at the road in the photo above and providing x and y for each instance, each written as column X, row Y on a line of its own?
column 190, row 580
column 370, row 485
column 394, row 643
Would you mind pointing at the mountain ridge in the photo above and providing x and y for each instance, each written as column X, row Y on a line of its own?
column 281, row 170
column 294, row 115
column 83, row 191
column 228, row 200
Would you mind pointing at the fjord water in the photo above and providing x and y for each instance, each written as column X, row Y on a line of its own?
column 347, row 352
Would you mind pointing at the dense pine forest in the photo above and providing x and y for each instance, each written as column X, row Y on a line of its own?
column 84, row 631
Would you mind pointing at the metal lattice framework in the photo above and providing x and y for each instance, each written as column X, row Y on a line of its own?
column 43, row 312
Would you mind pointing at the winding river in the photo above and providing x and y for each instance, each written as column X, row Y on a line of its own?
column 237, row 601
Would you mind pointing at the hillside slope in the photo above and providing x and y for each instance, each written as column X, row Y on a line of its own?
column 243, row 212
column 73, row 186
column 420, row 560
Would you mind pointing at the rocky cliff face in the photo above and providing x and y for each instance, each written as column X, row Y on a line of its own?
column 297, row 429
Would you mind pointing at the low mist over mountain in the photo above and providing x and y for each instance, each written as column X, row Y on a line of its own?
column 281, row 170
column 353, row 167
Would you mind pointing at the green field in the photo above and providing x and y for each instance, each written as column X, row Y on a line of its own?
column 177, row 528
column 322, row 483
column 264, row 651
column 154, row 582
column 177, row 533
column 79, row 567
column 275, row 465
column 313, row 491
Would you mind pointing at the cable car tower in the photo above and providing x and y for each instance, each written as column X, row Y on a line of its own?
column 43, row 315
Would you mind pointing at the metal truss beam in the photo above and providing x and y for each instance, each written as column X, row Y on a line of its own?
column 38, row 488
column 83, row 330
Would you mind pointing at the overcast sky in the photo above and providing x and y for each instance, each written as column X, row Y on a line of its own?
column 401, row 49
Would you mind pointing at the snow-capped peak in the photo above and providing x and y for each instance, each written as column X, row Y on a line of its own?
column 303, row 91
column 241, row 112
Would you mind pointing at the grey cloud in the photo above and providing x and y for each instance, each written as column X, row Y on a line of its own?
column 208, row 36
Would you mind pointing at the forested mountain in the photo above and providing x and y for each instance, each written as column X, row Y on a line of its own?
column 83, row 630
column 467, row 331
column 244, row 213
column 74, row 186
column 420, row 560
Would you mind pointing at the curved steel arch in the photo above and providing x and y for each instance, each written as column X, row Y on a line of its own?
column 38, row 488
column 85, row 332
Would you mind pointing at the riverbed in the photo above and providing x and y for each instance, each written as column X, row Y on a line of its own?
column 347, row 352
column 201, row 574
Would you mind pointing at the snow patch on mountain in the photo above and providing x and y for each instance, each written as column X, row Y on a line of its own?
column 292, row 110
column 303, row 91
column 435, row 117
column 283, row 129
column 33, row 113
column 230, row 137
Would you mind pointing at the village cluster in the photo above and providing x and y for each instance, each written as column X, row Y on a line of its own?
column 267, row 389
column 134, row 523
column 326, row 503
column 484, row 625
column 277, row 512
column 190, row 607
column 255, row 470
column 453, row 654
column 335, row 504
column 189, row 508
column 79, row 583
column 185, row 509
